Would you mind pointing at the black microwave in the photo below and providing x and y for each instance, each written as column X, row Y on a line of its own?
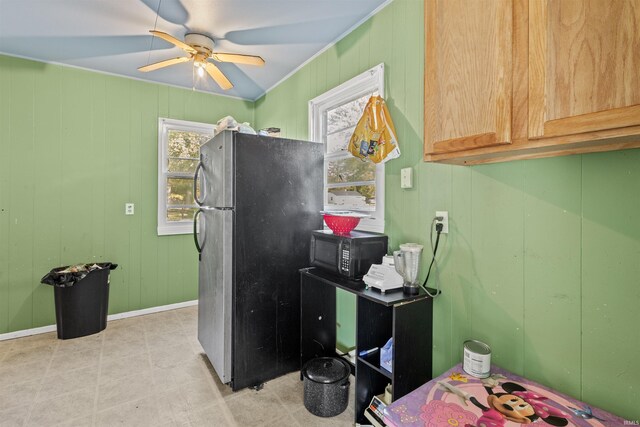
column 348, row 255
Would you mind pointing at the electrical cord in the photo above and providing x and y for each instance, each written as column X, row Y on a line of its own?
column 434, row 247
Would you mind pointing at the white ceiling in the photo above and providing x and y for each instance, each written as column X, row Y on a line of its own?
column 113, row 35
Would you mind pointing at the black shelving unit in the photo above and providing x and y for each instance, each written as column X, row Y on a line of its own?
column 408, row 319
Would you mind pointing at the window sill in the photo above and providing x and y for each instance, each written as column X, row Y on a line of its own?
column 175, row 229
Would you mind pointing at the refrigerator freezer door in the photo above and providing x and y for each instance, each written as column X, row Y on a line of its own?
column 216, row 173
column 214, row 284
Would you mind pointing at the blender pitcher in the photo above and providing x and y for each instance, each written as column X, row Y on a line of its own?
column 407, row 264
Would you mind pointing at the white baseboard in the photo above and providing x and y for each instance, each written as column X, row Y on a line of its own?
column 134, row 313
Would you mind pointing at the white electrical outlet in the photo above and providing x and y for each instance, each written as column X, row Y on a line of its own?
column 444, row 221
column 129, row 208
column 406, row 178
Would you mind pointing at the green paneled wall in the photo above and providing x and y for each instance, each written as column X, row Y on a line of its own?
column 75, row 146
column 543, row 258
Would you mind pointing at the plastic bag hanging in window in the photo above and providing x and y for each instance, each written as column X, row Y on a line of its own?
column 374, row 137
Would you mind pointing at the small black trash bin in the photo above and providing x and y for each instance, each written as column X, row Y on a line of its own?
column 81, row 296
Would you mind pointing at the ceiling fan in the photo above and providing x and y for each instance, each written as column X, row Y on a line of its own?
column 200, row 50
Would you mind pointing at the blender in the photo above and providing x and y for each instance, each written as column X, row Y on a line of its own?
column 407, row 264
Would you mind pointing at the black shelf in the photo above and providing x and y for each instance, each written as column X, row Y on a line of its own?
column 358, row 287
column 378, row 317
column 373, row 361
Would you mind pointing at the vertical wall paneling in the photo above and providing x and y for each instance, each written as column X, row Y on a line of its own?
column 459, row 281
column 76, row 146
column 5, row 175
column 116, row 223
column 497, row 227
column 552, row 237
column 137, row 106
column 50, row 203
column 610, row 284
column 20, row 236
column 146, row 206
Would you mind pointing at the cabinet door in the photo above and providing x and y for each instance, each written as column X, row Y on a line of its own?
column 584, row 66
column 468, row 72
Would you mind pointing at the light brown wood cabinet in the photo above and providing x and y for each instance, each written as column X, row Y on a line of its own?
column 517, row 79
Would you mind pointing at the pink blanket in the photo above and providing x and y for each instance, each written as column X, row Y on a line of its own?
column 456, row 399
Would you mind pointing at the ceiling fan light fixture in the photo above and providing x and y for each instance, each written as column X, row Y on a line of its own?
column 199, row 66
column 199, row 47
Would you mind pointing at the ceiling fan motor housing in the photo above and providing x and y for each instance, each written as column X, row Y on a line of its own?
column 203, row 44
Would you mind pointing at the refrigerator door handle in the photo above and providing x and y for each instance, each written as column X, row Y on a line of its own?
column 203, row 187
column 199, row 245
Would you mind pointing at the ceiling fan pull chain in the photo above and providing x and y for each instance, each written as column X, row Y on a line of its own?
column 155, row 24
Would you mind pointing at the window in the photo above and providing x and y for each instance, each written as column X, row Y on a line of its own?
column 179, row 144
column 349, row 183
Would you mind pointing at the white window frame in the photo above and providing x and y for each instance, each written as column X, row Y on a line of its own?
column 366, row 82
column 165, row 125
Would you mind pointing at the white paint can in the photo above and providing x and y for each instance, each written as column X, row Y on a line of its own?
column 476, row 360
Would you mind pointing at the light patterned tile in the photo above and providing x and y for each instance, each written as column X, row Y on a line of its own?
column 122, row 367
column 136, row 413
column 169, row 357
column 290, row 391
column 68, row 361
column 129, row 323
column 124, row 328
column 190, row 370
column 38, row 340
column 148, row 370
column 14, row 417
column 212, row 415
column 5, row 347
column 255, row 407
column 119, row 391
column 56, row 383
column 41, row 352
column 18, row 373
column 85, row 421
column 176, row 403
column 18, row 394
column 161, row 341
column 307, row 419
column 115, row 349
column 224, row 390
column 286, row 420
column 163, row 327
column 90, row 342
column 62, row 408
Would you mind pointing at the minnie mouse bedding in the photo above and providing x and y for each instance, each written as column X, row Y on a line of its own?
column 456, row 399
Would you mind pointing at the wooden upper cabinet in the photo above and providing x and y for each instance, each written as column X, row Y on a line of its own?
column 468, row 74
column 584, row 66
column 523, row 79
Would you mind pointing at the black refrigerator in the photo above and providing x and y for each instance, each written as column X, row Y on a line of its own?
column 259, row 200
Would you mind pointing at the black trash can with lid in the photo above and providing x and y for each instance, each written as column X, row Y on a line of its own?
column 81, row 294
column 326, row 386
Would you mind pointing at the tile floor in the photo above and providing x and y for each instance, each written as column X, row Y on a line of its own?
column 141, row 371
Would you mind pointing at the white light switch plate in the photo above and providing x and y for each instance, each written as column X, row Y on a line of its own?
column 406, row 178
column 129, row 208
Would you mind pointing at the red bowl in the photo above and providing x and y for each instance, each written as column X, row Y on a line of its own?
column 341, row 224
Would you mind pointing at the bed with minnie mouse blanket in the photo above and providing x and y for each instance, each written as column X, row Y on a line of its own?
column 502, row 400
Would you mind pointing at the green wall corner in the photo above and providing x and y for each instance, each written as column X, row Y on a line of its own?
column 75, row 147
column 542, row 258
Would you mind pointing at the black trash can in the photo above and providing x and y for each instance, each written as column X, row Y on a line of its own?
column 326, row 386
column 81, row 299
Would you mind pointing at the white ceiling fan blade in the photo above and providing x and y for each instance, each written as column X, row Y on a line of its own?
column 239, row 59
column 167, row 37
column 164, row 63
column 217, row 75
